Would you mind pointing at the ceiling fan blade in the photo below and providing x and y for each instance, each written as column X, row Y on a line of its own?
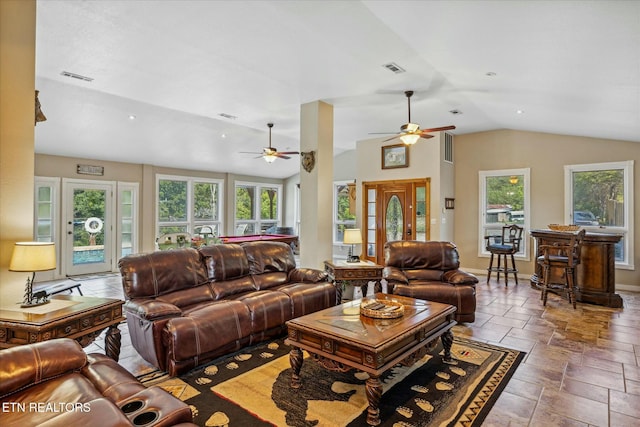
column 289, row 152
column 382, row 133
column 440, row 129
column 281, row 156
column 248, row 152
column 390, row 139
column 426, row 136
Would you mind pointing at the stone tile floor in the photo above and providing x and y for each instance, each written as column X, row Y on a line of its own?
column 582, row 366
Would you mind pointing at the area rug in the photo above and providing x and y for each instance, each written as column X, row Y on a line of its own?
column 252, row 388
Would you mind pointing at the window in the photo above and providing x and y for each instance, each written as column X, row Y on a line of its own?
column 46, row 193
column 344, row 216
column 599, row 197
column 127, row 241
column 189, row 205
column 504, row 199
column 257, row 208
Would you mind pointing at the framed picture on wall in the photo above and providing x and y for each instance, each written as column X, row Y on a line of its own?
column 395, row 156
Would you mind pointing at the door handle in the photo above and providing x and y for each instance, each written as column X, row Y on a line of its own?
column 408, row 229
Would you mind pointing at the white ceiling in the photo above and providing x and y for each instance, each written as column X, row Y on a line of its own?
column 573, row 67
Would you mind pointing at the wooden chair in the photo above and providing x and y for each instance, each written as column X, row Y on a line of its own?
column 504, row 245
column 560, row 256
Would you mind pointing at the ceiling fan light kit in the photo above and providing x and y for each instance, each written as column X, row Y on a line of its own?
column 270, row 154
column 410, row 133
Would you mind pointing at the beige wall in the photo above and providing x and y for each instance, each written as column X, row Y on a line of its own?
column 17, row 107
column 545, row 155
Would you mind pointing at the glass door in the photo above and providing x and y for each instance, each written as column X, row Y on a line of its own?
column 88, row 219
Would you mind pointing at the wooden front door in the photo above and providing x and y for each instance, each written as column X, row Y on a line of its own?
column 394, row 210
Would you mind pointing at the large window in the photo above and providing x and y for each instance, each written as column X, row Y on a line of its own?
column 504, row 199
column 344, row 216
column 189, row 205
column 46, row 204
column 599, row 197
column 258, row 207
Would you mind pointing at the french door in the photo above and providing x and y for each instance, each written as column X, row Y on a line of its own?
column 394, row 210
column 88, row 217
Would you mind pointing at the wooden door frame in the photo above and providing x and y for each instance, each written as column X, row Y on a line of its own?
column 380, row 187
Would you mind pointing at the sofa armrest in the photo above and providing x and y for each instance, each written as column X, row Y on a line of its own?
column 151, row 309
column 394, row 274
column 459, row 277
column 307, row 275
column 26, row 365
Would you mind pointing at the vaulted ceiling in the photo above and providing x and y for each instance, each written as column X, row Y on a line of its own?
column 180, row 67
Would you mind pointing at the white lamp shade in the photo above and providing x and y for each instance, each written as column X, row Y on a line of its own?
column 410, row 138
column 352, row 236
column 33, row 256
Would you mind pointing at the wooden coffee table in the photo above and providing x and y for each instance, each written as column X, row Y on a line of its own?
column 69, row 316
column 340, row 339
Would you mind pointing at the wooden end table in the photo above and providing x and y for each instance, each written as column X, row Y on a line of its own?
column 338, row 343
column 66, row 316
column 344, row 274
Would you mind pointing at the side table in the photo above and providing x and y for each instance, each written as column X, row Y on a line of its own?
column 65, row 316
column 344, row 274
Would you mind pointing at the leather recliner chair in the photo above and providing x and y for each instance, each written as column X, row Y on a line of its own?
column 55, row 383
column 430, row 271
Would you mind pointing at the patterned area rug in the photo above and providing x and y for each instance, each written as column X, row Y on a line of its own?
column 251, row 388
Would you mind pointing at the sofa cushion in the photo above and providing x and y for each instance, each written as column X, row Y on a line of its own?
column 33, row 364
column 410, row 254
column 425, row 274
column 160, row 273
column 206, row 329
column 224, row 262
column 269, row 263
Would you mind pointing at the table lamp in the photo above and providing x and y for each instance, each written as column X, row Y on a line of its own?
column 352, row 237
column 32, row 257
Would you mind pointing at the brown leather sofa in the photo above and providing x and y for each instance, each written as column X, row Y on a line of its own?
column 55, row 383
column 430, row 271
column 188, row 306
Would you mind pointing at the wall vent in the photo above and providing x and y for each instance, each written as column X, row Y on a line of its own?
column 394, row 67
column 448, row 147
column 227, row 116
column 76, row 76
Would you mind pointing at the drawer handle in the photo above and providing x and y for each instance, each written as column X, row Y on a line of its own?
column 67, row 329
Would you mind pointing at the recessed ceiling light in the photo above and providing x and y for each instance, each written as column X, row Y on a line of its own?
column 132, row 117
column 224, row 135
column 519, row 111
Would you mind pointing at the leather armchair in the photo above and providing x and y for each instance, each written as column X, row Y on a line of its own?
column 430, row 271
column 55, row 383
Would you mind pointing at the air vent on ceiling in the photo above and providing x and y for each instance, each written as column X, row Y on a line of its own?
column 227, row 116
column 394, row 67
column 76, row 76
column 448, row 147
column 455, row 112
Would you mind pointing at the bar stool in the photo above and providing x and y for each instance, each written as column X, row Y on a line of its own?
column 561, row 256
column 506, row 244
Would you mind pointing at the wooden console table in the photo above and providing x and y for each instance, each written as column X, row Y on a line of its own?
column 596, row 273
column 343, row 274
column 66, row 316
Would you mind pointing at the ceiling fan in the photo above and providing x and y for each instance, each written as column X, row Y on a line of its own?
column 270, row 154
column 410, row 133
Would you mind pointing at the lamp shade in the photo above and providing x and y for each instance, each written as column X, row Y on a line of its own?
column 410, row 138
column 352, row 236
column 33, row 256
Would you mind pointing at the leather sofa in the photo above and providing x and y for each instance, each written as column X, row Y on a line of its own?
column 188, row 306
column 55, row 383
column 430, row 271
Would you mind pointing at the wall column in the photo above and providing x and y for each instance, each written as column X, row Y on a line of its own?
column 17, row 134
column 316, row 187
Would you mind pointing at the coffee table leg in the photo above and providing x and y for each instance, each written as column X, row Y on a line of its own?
column 112, row 342
column 373, row 388
column 295, row 359
column 447, row 341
